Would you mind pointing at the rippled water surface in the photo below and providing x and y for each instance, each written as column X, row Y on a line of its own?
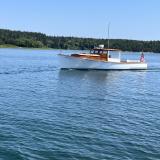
column 47, row 113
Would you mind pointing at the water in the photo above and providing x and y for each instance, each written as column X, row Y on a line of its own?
column 47, row 113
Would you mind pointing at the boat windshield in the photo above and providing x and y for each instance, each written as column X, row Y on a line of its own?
column 98, row 51
column 102, row 50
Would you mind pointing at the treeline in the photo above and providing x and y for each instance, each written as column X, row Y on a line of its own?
column 39, row 40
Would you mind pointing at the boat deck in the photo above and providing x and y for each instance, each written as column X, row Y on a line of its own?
column 101, row 57
column 104, row 58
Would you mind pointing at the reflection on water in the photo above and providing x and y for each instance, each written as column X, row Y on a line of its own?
column 89, row 75
column 93, row 84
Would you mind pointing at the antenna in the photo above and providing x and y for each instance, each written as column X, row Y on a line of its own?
column 108, row 33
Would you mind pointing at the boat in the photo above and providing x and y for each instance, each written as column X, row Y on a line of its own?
column 100, row 58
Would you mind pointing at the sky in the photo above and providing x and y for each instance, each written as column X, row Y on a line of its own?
column 129, row 19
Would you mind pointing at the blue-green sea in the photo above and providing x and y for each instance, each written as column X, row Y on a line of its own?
column 52, row 114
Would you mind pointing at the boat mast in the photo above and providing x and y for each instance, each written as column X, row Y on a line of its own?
column 108, row 36
column 108, row 33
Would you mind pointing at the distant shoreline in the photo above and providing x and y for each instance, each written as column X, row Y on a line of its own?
column 7, row 46
column 13, row 46
column 34, row 40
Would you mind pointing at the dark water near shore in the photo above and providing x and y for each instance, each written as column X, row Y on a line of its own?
column 46, row 113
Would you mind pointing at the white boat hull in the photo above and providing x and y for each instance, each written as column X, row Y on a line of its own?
column 68, row 62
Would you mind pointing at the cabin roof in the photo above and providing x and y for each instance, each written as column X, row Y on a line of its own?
column 106, row 49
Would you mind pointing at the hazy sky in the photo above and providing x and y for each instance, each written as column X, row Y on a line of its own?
column 130, row 19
